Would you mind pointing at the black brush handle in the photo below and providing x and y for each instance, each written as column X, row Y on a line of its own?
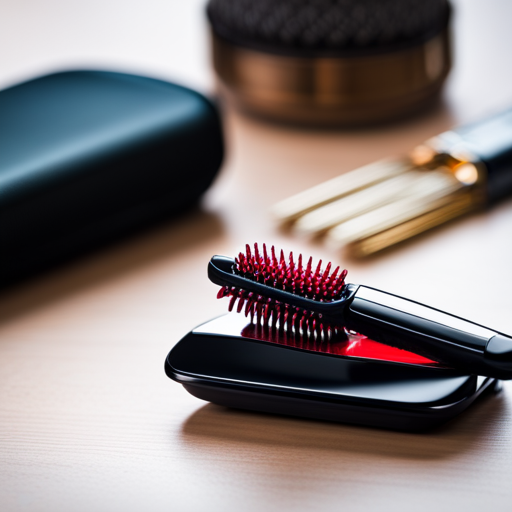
column 444, row 338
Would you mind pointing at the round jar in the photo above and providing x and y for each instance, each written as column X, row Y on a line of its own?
column 330, row 62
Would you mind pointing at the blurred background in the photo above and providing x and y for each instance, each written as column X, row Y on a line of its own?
column 169, row 40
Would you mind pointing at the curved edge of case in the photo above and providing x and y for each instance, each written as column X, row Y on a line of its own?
column 88, row 157
column 406, row 420
column 245, row 374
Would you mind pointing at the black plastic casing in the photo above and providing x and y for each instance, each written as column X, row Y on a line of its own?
column 437, row 335
column 490, row 141
column 215, row 364
column 86, row 156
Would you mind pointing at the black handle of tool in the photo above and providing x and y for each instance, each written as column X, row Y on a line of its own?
column 445, row 338
column 490, row 140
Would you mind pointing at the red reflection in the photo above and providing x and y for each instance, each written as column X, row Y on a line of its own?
column 340, row 343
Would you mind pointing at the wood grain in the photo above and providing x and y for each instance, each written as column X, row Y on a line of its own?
column 88, row 419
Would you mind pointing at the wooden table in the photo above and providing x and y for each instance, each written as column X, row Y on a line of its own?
column 89, row 421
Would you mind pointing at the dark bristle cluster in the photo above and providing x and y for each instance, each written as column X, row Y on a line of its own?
column 308, row 281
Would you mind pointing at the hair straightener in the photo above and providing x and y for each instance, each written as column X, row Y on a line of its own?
column 318, row 347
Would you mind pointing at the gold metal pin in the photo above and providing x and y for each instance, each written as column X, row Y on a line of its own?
column 378, row 205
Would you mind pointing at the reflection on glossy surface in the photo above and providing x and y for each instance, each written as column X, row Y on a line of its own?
column 340, row 343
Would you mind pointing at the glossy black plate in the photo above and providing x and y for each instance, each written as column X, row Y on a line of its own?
column 215, row 362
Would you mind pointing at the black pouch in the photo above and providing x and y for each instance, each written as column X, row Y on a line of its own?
column 87, row 156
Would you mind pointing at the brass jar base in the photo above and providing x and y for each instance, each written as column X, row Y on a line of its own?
column 332, row 91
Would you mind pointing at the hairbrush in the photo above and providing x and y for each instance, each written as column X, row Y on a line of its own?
column 299, row 354
column 294, row 296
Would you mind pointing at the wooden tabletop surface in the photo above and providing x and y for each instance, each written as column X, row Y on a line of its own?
column 88, row 419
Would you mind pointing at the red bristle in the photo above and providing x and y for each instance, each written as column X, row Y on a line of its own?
column 248, row 305
column 241, row 302
column 291, row 264
column 232, row 301
column 256, row 253
column 318, row 270
column 285, row 275
column 310, row 265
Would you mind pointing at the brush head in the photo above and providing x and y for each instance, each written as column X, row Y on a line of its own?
column 291, row 276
